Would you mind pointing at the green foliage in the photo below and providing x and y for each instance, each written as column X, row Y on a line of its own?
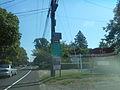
column 17, row 55
column 42, row 57
column 66, row 81
column 42, row 52
column 113, row 29
column 10, row 49
column 41, row 43
column 22, row 56
column 79, row 46
column 80, row 40
column 9, row 28
column 69, row 66
column 103, row 44
column 74, row 50
column 84, row 51
column 5, row 61
column 65, row 51
column 68, row 78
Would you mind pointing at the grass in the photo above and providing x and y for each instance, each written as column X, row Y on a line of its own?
column 67, row 78
column 66, row 81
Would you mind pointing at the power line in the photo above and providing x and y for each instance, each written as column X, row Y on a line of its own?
column 16, row 4
column 96, row 4
column 31, row 11
column 84, row 19
column 46, row 24
column 37, row 7
column 62, row 26
column 31, row 14
column 7, row 2
column 47, row 20
column 68, row 25
column 41, row 16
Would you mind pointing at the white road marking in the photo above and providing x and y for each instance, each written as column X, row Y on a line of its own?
column 17, row 81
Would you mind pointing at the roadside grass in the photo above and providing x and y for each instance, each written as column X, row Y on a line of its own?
column 67, row 78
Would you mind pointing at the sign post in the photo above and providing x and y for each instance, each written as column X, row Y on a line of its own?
column 57, row 53
column 81, row 63
column 57, row 63
column 56, row 49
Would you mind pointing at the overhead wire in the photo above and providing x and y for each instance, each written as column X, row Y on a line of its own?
column 96, row 4
column 21, row 1
column 37, row 6
column 7, row 2
column 29, row 11
column 46, row 22
column 62, row 26
column 68, row 24
column 84, row 19
column 41, row 17
column 30, row 14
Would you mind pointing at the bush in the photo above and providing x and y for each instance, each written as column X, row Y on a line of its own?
column 5, row 61
column 63, row 66
column 69, row 66
column 44, row 67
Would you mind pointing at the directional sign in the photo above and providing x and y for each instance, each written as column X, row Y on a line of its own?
column 57, row 36
column 56, row 63
column 56, row 49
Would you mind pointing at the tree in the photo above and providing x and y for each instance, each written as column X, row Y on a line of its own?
column 42, row 57
column 79, row 45
column 10, row 50
column 9, row 28
column 103, row 44
column 65, row 53
column 22, row 57
column 73, row 48
column 9, row 32
column 41, row 52
column 113, row 29
column 41, row 43
column 17, row 55
column 80, row 41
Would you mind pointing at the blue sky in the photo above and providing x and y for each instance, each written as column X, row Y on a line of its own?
column 89, row 16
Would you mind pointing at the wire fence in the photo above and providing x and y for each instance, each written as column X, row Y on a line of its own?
column 108, row 63
column 97, row 64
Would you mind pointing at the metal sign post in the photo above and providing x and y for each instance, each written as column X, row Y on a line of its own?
column 81, row 63
column 56, row 48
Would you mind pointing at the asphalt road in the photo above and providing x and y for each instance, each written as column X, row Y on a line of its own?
column 26, row 79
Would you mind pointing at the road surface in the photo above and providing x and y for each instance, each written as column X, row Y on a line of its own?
column 26, row 79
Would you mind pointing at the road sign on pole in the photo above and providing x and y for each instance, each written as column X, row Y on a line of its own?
column 56, row 49
column 56, row 63
column 57, row 36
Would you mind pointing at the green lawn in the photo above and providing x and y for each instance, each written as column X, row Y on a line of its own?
column 67, row 78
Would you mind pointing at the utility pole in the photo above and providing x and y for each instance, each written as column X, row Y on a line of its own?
column 54, row 5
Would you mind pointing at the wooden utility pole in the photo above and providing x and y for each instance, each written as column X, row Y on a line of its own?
column 54, row 5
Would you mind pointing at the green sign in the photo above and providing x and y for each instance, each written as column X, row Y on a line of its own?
column 56, row 49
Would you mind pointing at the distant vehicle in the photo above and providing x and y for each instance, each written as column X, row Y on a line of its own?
column 7, row 70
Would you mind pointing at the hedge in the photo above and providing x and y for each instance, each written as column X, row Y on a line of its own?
column 64, row 66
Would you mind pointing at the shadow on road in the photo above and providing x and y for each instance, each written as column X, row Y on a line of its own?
column 3, row 77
